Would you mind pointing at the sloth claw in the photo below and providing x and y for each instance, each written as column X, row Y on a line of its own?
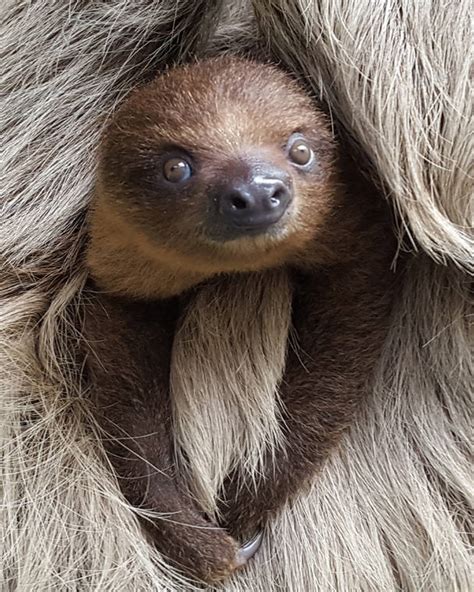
column 249, row 548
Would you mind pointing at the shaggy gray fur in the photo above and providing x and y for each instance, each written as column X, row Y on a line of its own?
column 392, row 509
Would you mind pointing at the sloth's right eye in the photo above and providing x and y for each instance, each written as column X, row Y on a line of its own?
column 177, row 170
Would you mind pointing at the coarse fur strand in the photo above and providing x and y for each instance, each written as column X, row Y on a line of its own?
column 391, row 510
column 235, row 428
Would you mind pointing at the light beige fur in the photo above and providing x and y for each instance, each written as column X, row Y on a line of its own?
column 393, row 507
column 228, row 360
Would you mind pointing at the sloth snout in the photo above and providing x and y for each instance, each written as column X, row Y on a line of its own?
column 252, row 206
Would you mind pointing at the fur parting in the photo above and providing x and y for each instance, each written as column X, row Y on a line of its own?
column 392, row 509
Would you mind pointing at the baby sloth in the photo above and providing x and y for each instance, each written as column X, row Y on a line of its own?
column 226, row 169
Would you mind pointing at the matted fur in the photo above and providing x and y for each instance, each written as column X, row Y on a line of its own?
column 391, row 509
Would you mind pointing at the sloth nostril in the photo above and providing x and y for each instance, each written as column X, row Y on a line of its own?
column 239, row 203
column 277, row 197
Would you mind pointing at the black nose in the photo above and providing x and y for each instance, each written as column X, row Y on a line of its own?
column 251, row 207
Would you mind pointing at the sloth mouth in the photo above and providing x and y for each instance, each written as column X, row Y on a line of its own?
column 269, row 224
column 257, row 224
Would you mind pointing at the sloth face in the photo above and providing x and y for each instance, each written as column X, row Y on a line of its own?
column 251, row 196
column 223, row 162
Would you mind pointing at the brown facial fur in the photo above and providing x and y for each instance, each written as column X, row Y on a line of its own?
column 150, row 241
column 149, row 237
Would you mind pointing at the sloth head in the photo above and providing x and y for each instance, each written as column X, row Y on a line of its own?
column 220, row 166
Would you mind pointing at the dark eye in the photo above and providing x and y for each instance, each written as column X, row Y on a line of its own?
column 299, row 152
column 177, row 170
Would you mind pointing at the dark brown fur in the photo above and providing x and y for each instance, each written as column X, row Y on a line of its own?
column 340, row 318
column 148, row 247
column 129, row 367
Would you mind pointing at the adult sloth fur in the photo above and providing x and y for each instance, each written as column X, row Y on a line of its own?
column 391, row 509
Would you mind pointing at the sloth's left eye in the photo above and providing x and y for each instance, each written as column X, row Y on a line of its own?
column 177, row 170
column 300, row 152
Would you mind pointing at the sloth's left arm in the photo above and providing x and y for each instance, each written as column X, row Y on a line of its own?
column 340, row 318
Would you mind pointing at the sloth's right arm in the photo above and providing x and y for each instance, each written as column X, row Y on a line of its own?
column 340, row 318
column 128, row 360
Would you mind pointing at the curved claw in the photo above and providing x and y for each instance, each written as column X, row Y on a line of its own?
column 249, row 548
